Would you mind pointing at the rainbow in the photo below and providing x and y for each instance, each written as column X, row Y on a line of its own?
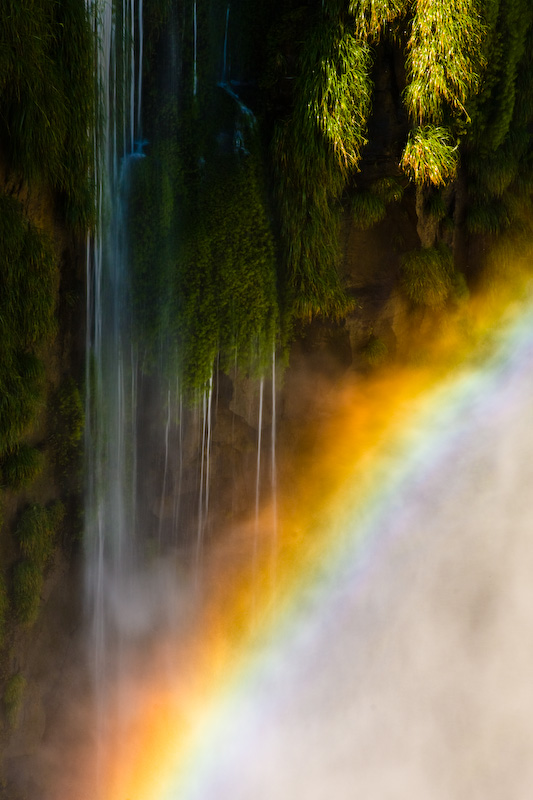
column 387, row 433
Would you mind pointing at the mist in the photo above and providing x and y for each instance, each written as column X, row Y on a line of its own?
column 410, row 676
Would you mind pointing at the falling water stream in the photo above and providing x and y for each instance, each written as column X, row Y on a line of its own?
column 112, row 360
column 136, row 423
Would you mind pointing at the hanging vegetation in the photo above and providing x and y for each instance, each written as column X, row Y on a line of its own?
column 205, row 279
column 443, row 61
column 315, row 151
column 371, row 17
column 430, row 156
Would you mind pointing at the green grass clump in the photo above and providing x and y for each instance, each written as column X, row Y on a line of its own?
column 495, row 174
column 443, row 61
column 430, row 156
column 375, row 351
column 490, row 217
column 315, row 150
column 372, row 16
column 367, row 209
column 337, row 96
column 204, row 281
column 13, row 699
column 388, row 189
column 369, row 205
column 21, row 465
column 503, row 104
column 427, row 276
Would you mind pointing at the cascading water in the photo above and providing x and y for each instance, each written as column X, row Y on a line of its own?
column 195, row 49
column 274, row 479
column 149, row 467
column 112, row 378
column 138, row 428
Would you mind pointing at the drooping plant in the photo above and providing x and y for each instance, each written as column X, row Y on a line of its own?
column 443, row 61
column 497, row 151
column 315, row 151
column 371, row 17
column 204, row 270
column 430, row 156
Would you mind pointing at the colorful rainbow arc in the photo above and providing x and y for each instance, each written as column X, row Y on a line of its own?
column 384, row 432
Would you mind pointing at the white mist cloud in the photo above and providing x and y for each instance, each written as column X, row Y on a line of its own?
column 413, row 679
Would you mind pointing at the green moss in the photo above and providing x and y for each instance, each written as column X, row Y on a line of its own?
column 204, row 266
column 333, row 102
column 369, row 206
column 13, row 699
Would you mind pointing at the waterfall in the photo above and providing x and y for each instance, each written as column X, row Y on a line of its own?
column 179, row 476
column 225, row 51
column 112, row 360
column 203, row 495
column 149, row 484
column 165, row 468
column 258, row 463
column 274, row 479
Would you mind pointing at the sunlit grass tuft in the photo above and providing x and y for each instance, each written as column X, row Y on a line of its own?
column 443, row 61
column 371, row 17
column 430, row 156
